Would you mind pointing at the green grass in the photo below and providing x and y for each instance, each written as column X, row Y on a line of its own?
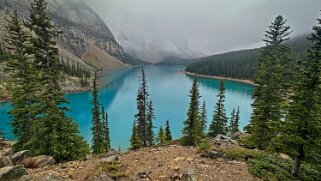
column 112, row 169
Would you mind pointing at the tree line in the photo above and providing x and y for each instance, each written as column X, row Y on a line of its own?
column 240, row 64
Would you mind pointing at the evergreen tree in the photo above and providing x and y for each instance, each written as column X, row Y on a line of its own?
column 97, row 127
column 105, row 131
column 236, row 121
column 302, row 135
column 232, row 122
column 53, row 133
column 168, row 133
column 135, row 140
column 141, row 116
column 220, row 120
column 150, row 127
column 161, row 137
column 21, row 70
column 267, row 106
column 203, row 118
column 192, row 132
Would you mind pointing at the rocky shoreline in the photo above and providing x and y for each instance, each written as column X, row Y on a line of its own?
column 246, row 81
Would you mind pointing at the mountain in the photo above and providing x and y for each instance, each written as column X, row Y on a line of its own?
column 238, row 64
column 84, row 34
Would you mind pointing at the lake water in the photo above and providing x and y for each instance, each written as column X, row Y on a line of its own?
column 168, row 88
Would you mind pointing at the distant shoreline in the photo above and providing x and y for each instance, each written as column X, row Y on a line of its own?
column 246, row 81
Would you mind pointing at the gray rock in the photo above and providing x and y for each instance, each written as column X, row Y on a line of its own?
column 38, row 161
column 26, row 178
column 88, row 157
column 5, row 161
column 110, row 159
column 236, row 135
column 189, row 175
column 214, row 154
column 51, row 177
column 6, row 151
column 19, row 156
column 102, row 177
column 223, row 140
column 10, row 173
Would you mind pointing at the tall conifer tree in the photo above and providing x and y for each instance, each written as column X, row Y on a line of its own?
column 161, row 137
column 97, row 127
column 220, row 120
column 267, row 106
column 142, row 107
column 105, row 131
column 135, row 140
column 54, row 134
column 302, row 135
column 192, row 132
column 21, row 70
column 150, row 126
column 203, row 118
column 168, row 133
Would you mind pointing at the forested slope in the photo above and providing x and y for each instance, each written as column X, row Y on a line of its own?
column 239, row 64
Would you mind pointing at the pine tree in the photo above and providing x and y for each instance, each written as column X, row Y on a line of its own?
column 219, row 123
column 53, row 133
column 141, row 116
column 236, row 121
column 192, row 132
column 267, row 106
column 161, row 137
column 150, row 127
column 203, row 118
column 135, row 140
column 97, row 127
column 302, row 135
column 21, row 70
column 105, row 131
column 232, row 122
column 168, row 133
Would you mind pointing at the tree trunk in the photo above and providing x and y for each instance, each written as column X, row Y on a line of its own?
column 297, row 162
column 296, row 166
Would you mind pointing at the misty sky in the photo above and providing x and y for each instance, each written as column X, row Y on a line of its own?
column 154, row 29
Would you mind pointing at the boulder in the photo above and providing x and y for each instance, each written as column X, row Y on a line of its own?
column 5, row 161
column 102, row 177
column 6, row 151
column 10, row 173
column 189, row 175
column 38, row 161
column 223, row 140
column 110, row 159
column 51, row 177
column 88, row 157
column 19, row 156
column 214, row 154
column 26, row 178
column 236, row 135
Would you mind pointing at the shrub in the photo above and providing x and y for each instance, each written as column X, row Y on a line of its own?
column 241, row 154
column 205, row 145
column 271, row 167
column 113, row 169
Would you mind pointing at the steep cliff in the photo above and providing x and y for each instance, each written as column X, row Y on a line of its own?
column 80, row 27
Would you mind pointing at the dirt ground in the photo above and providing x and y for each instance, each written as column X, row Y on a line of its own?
column 160, row 163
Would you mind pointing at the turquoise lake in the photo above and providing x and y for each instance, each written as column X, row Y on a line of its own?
column 168, row 87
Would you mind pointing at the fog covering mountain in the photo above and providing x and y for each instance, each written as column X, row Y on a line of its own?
column 155, row 29
column 85, row 38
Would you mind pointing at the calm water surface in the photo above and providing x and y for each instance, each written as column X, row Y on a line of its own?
column 169, row 89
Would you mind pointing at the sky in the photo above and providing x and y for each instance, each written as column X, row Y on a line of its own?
column 155, row 29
